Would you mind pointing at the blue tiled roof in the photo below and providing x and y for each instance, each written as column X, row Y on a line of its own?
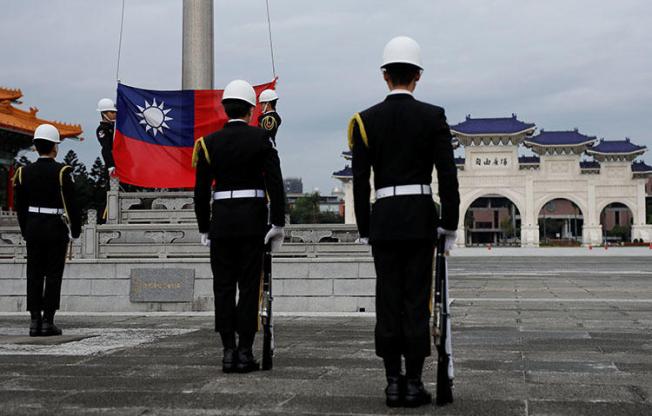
column 347, row 153
column 507, row 125
column 346, row 172
column 560, row 138
column 459, row 160
column 528, row 160
column 589, row 164
column 616, row 146
column 641, row 167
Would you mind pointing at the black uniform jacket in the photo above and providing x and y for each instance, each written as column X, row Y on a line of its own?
column 235, row 158
column 404, row 139
column 270, row 121
column 42, row 185
column 105, row 137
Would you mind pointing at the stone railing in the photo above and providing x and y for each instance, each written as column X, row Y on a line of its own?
column 162, row 225
column 182, row 240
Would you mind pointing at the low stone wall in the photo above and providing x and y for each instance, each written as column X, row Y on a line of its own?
column 327, row 284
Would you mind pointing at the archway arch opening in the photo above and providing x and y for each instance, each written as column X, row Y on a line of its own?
column 492, row 220
column 560, row 223
column 616, row 219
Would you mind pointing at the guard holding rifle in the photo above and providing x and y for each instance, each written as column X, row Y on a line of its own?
column 49, row 216
column 269, row 119
column 232, row 217
column 401, row 139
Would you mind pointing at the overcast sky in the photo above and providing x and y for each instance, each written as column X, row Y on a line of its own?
column 559, row 64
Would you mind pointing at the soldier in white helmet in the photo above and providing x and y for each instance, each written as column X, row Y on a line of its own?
column 49, row 216
column 402, row 138
column 269, row 119
column 232, row 217
column 105, row 131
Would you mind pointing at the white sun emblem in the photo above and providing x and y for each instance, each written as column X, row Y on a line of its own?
column 154, row 116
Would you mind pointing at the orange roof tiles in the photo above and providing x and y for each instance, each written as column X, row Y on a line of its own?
column 21, row 121
column 10, row 94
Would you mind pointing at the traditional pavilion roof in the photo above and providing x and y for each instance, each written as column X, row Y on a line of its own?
column 25, row 122
column 492, row 126
column 459, row 160
column 347, row 154
column 347, row 172
column 616, row 147
column 560, row 138
column 10, row 94
column 641, row 167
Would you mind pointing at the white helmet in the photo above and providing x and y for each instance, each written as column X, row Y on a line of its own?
column 47, row 132
column 267, row 96
column 402, row 50
column 240, row 90
column 106, row 104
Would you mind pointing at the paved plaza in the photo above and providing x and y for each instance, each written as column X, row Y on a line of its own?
column 532, row 336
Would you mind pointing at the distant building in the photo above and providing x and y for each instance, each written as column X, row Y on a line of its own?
column 558, row 194
column 16, row 132
column 293, row 186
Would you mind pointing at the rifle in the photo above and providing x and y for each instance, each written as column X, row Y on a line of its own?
column 266, row 310
column 441, row 332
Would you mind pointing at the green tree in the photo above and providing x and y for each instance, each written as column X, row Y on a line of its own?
column 306, row 211
column 23, row 161
column 83, row 183
column 99, row 179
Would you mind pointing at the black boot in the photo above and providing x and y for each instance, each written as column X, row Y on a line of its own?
column 49, row 328
column 245, row 356
column 395, row 390
column 36, row 324
column 415, row 393
column 230, row 358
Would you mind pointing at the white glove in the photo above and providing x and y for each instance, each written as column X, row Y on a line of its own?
column 362, row 240
column 450, row 235
column 276, row 236
column 111, row 170
column 205, row 241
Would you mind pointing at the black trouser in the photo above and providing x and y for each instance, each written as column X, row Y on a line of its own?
column 45, row 263
column 403, row 296
column 237, row 263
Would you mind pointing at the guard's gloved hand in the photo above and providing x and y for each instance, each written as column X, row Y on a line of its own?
column 450, row 235
column 362, row 240
column 111, row 170
column 205, row 241
column 276, row 236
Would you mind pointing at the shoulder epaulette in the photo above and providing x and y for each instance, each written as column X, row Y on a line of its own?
column 363, row 133
column 200, row 146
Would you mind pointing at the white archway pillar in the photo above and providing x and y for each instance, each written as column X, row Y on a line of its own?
column 640, row 229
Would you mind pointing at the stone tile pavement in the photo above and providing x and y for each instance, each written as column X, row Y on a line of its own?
column 531, row 337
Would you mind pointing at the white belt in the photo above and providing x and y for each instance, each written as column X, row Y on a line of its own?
column 403, row 190
column 243, row 193
column 41, row 210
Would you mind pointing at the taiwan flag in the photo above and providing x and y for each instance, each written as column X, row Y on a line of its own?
column 156, row 132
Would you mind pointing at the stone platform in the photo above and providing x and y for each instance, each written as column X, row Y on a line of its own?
column 531, row 337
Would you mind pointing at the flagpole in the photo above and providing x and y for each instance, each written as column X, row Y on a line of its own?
column 197, row 52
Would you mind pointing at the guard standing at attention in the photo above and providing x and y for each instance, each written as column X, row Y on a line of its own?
column 232, row 217
column 402, row 139
column 49, row 216
column 105, row 131
column 269, row 118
